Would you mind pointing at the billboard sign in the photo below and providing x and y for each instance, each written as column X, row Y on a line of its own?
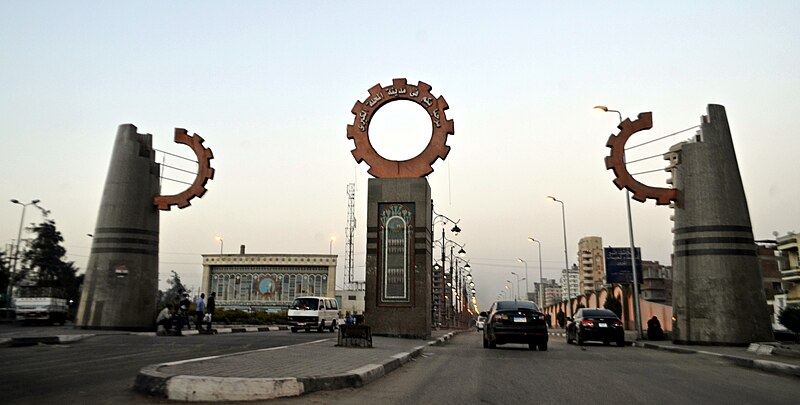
column 618, row 265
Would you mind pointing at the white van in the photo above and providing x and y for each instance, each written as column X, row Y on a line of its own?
column 313, row 313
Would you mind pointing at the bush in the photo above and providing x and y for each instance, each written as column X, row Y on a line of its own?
column 236, row 316
column 790, row 318
column 614, row 305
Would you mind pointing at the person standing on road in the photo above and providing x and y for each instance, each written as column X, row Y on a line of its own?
column 210, row 307
column 201, row 309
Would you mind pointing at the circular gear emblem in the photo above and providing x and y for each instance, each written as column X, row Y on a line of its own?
column 418, row 166
column 266, row 286
column 204, row 173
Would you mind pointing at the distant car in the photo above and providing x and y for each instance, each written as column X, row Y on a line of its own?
column 480, row 322
column 595, row 324
column 515, row 321
column 313, row 313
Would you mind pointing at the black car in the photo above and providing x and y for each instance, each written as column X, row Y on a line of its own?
column 595, row 324
column 515, row 321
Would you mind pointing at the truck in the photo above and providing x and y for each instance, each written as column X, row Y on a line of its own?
column 41, row 305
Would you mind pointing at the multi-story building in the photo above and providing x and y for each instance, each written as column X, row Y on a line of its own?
column 771, row 261
column 550, row 290
column 788, row 246
column 267, row 282
column 656, row 282
column 590, row 264
column 353, row 299
column 570, row 284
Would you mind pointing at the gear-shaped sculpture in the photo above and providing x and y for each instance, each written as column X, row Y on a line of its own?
column 204, row 173
column 418, row 166
column 616, row 162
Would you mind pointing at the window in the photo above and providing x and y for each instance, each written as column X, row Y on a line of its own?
column 351, row 297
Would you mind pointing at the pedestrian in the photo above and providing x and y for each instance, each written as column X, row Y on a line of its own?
column 185, row 304
column 211, row 305
column 200, row 313
column 349, row 320
column 164, row 321
column 654, row 331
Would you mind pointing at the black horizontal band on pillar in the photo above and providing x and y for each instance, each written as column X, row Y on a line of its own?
column 132, row 241
column 714, row 228
column 420, row 251
column 372, row 229
column 372, row 240
column 148, row 252
column 715, row 252
column 126, row 230
column 372, row 251
column 715, row 240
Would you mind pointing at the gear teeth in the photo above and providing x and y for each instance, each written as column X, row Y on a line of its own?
column 204, row 173
column 616, row 162
column 418, row 166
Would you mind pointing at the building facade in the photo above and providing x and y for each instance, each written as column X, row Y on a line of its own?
column 267, row 282
column 590, row 264
column 788, row 246
column 656, row 282
column 352, row 299
column 570, row 278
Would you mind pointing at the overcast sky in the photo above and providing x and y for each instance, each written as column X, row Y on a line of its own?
column 270, row 86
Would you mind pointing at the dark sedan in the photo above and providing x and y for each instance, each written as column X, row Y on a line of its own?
column 516, row 321
column 595, row 324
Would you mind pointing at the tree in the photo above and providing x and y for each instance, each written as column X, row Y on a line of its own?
column 176, row 288
column 43, row 262
column 613, row 304
column 790, row 318
column 5, row 273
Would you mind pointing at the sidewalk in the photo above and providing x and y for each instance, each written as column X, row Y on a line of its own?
column 280, row 371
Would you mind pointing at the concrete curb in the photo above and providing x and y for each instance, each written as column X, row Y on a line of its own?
column 187, row 388
column 769, row 366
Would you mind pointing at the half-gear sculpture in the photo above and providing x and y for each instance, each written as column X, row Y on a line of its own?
column 204, row 173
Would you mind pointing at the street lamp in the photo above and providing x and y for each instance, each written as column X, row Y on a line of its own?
column 566, row 258
column 637, row 312
column 219, row 238
column 16, row 249
column 330, row 246
column 541, row 282
column 527, row 291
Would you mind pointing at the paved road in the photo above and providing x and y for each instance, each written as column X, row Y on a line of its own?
column 102, row 369
column 462, row 371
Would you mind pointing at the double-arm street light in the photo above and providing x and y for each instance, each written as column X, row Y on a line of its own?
column 527, row 291
column 511, row 291
column 16, row 249
column 566, row 258
column 633, row 248
column 517, row 276
column 219, row 238
column 541, row 282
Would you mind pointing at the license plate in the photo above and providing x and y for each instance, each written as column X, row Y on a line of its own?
column 602, row 325
column 520, row 319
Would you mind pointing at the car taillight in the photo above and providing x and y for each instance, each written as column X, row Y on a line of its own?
column 616, row 323
column 587, row 322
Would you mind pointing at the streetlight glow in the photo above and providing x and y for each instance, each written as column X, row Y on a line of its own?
column 541, row 280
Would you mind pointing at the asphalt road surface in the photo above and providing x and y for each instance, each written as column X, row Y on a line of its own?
column 463, row 372
column 102, row 369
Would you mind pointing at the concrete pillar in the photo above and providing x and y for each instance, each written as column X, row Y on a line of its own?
column 121, row 285
column 717, row 292
column 399, row 257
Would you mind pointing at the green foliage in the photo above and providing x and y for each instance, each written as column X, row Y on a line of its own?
column 790, row 318
column 43, row 262
column 613, row 304
column 172, row 295
column 234, row 317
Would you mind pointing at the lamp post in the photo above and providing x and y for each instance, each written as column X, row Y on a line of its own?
column 636, row 310
column 330, row 246
column 527, row 291
column 219, row 238
column 541, row 282
column 511, row 291
column 566, row 258
column 16, row 250
column 445, row 296
column 517, row 276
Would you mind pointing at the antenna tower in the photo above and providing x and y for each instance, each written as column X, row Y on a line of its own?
column 349, row 231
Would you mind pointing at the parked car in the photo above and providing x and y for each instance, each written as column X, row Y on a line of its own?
column 313, row 313
column 595, row 324
column 480, row 322
column 515, row 321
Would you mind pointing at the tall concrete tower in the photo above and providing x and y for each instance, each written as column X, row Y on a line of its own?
column 717, row 291
column 121, row 284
